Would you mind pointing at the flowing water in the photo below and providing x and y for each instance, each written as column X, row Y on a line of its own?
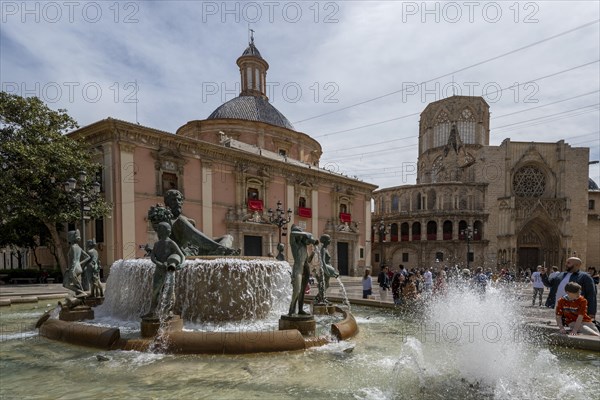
column 344, row 294
column 216, row 290
column 459, row 347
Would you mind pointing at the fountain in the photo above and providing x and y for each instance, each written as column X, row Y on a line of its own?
column 397, row 355
column 169, row 292
column 461, row 345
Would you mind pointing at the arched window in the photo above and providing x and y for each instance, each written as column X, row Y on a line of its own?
column 404, row 232
column 462, row 226
column 477, row 230
column 447, row 230
column 416, row 231
column 302, row 202
column 394, row 232
column 395, row 203
column 431, row 230
column 254, row 194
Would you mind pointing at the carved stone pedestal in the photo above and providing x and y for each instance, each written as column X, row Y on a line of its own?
column 323, row 309
column 306, row 324
column 150, row 326
column 78, row 313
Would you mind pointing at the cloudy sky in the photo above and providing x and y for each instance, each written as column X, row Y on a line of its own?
column 354, row 75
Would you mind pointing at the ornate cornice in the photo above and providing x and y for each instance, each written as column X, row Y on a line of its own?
column 111, row 130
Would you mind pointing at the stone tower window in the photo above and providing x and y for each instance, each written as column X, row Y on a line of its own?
column 529, row 181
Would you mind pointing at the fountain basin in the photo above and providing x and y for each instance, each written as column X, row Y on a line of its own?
column 207, row 289
column 194, row 342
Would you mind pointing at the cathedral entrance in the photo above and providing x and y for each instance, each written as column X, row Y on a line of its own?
column 538, row 243
column 529, row 258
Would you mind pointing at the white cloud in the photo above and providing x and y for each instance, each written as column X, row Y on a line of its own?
column 176, row 50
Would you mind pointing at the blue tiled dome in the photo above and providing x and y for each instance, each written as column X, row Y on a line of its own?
column 251, row 108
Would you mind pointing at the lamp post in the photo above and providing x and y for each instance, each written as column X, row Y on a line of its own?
column 382, row 229
column 82, row 195
column 280, row 219
column 468, row 233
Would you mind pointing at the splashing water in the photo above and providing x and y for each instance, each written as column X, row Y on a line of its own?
column 473, row 344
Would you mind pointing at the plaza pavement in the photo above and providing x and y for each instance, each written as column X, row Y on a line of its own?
column 538, row 318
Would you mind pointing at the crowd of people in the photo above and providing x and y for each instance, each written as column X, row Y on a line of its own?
column 406, row 285
column 572, row 293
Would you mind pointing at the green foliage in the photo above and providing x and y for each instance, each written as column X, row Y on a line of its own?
column 23, row 231
column 35, row 159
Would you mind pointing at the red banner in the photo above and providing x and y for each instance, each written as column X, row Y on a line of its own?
column 304, row 212
column 255, row 205
column 345, row 217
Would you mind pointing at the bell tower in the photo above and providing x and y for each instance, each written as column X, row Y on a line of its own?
column 253, row 71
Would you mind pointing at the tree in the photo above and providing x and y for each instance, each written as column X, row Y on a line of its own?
column 35, row 159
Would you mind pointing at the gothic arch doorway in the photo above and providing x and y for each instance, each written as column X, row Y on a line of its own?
column 538, row 242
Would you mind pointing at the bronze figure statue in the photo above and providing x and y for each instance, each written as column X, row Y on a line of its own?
column 184, row 232
column 299, row 241
column 167, row 257
column 326, row 271
column 72, row 278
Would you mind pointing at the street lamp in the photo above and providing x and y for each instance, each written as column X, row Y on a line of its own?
column 80, row 194
column 382, row 229
column 279, row 219
column 468, row 233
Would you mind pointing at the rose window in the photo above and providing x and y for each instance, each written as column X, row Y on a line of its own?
column 529, row 182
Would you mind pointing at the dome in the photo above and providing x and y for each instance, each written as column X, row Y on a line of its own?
column 251, row 108
column 251, row 50
column 592, row 185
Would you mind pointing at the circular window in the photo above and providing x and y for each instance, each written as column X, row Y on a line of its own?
column 529, row 182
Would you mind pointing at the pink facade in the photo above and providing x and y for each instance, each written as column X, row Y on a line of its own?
column 231, row 168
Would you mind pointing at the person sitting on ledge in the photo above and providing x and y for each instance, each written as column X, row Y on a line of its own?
column 573, row 274
column 571, row 311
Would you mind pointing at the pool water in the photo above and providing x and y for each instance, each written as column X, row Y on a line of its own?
column 433, row 354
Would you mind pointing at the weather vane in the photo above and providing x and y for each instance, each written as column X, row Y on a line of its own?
column 251, row 34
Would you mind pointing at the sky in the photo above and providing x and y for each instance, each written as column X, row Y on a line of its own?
column 354, row 75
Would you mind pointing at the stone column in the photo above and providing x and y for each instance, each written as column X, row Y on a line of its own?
column 207, row 198
column 109, row 228
column 128, row 179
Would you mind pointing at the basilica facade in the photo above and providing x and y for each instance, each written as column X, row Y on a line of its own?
column 238, row 170
column 516, row 205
